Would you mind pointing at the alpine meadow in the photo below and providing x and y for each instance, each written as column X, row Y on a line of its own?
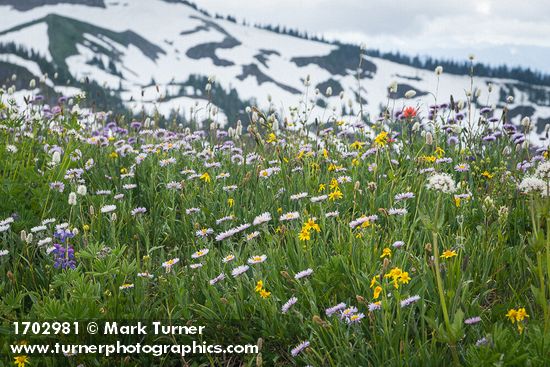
column 345, row 214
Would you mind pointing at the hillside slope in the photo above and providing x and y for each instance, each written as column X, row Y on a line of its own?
column 149, row 54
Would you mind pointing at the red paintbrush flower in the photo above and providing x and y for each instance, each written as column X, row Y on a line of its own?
column 409, row 112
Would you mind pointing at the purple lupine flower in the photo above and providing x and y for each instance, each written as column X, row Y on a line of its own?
column 63, row 234
column 63, row 257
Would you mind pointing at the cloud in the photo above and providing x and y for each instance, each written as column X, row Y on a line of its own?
column 410, row 26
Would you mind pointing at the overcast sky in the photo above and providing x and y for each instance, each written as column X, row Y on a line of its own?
column 515, row 32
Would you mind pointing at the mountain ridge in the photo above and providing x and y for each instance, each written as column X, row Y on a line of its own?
column 144, row 53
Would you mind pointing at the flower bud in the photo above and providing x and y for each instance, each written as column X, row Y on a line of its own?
column 72, row 198
column 410, row 94
column 429, row 138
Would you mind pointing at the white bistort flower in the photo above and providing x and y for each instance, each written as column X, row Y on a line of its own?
column 81, row 190
column 441, row 182
column 543, row 171
column 72, row 198
column 533, row 184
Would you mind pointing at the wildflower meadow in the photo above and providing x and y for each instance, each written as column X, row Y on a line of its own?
column 420, row 237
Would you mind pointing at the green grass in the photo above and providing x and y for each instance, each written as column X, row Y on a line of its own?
column 500, row 236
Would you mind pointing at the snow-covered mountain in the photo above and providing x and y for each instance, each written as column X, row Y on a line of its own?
column 151, row 54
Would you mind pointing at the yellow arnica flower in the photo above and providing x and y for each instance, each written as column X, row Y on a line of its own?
column 428, row 158
column 457, row 201
column 377, row 291
column 230, row 202
column 205, row 177
column 322, row 187
column 21, row 361
column 311, row 225
column 113, row 155
column 385, row 252
column 259, row 286
column 398, row 276
column 521, row 314
column 518, row 315
column 439, row 152
column 304, row 235
column 335, row 195
column 512, row 315
column 394, row 273
column 448, row 253
column 355, row 162
column 325, row 153
column 381, row 139
column 264, row 294
column 357, row 145
column 404, row 278
column 271, row 138
column 487, row 174
column 373, row 281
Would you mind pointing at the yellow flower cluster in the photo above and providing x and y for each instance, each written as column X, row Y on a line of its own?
column 357, row 145
column 398, row 276
column 427, row 158
column 386, row 252
column 271, row 138
column 261, row 290
column 518, row 316
column 335, row 194
column 381, row 139
column 307, row 228
column 487, row 175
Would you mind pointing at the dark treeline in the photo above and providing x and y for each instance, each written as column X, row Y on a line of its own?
column 428, row 63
